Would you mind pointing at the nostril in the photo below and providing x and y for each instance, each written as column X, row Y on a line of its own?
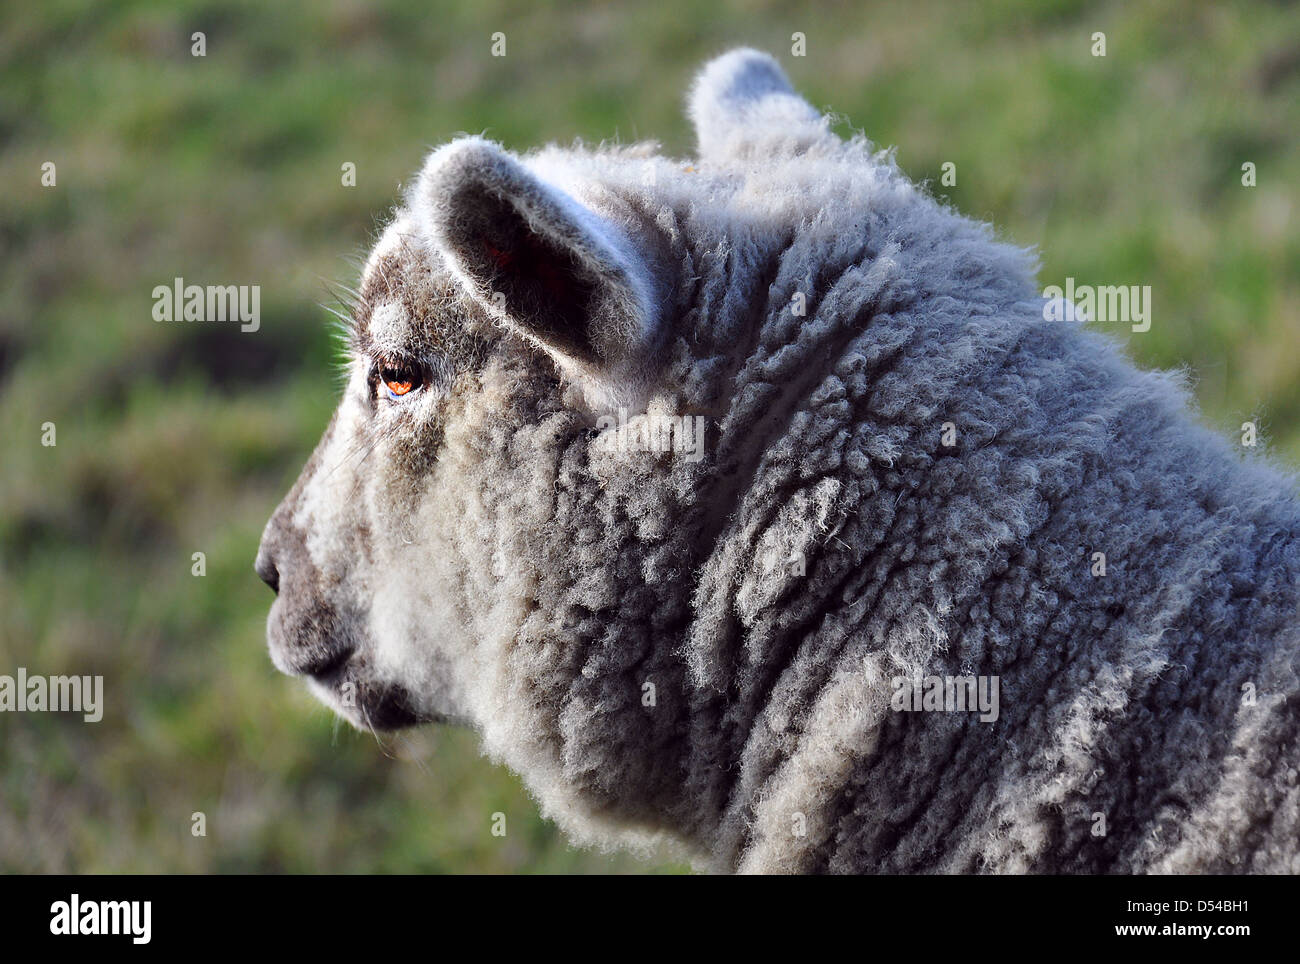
column 266, row 569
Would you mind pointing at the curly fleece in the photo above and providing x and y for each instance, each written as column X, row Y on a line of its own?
column 1148, row 716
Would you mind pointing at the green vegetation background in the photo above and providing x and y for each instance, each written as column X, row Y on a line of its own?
column 176, row 438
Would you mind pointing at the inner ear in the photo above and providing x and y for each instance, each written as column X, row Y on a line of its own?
column 526, row 273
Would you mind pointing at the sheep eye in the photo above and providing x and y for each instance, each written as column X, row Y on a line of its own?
column 400, row 378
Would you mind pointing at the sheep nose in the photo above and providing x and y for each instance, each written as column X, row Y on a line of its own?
column 265, row 567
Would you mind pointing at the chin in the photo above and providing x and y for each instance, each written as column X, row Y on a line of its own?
column 369, row 705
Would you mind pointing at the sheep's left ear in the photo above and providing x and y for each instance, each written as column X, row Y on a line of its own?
column 537, row 259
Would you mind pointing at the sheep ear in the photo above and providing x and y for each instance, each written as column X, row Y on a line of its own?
column 742, row 102
column 538, row 260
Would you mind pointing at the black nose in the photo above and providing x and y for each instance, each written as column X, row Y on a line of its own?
column 266, row 569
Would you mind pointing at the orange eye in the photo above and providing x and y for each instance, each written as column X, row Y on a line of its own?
column 400, row 380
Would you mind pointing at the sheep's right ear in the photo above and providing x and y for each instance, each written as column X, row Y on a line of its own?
column 538, row 260
column 742, row 104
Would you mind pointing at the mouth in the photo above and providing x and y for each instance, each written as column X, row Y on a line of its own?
column 316, row 644
column 365, row 703
column 340, row 676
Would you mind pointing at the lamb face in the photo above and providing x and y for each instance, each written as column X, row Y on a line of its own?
column 514, row 521
column 492, row 302
column 339, row 547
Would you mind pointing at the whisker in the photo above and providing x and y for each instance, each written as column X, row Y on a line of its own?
column 375, row 733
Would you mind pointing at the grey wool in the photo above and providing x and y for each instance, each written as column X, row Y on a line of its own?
column 701, row 488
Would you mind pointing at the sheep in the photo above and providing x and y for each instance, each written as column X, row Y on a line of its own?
column 933, row 585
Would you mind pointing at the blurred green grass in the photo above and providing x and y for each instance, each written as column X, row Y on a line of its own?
column 226, row 169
